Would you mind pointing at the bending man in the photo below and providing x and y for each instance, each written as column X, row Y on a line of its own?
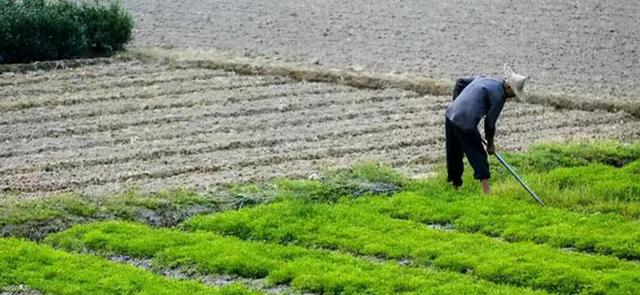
column 473, row 99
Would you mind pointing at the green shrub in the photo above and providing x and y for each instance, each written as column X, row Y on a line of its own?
column 35, row 30
column 45, row 30
column 108, row 27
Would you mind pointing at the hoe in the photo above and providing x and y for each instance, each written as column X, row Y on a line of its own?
column 524, row 185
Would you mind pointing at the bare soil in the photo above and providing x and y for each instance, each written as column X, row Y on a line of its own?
column 578, row 47
column 103, row 129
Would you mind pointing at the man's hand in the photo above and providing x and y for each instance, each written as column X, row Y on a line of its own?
column 491, row 148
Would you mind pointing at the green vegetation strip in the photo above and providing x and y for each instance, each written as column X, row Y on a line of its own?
column 511, row 220
column 361, row 230
column 34, row 219
column 549, row 156
column 55, row 272
column 307, row 270
column 595, row 188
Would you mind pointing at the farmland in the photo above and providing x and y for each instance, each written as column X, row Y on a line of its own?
column 147, row 125
column 577, row 47
column 168, row 176
column 297, row 147
column 327, row 237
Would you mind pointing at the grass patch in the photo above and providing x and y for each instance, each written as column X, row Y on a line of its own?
column 55, row 272
column 595, row 188
column 362, row 179
column 305, row 270
column 549, row 156
column 360, row 230
column 606, row 234
column 347, row 231
column 36, row 218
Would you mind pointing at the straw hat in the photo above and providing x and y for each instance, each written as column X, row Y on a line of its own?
column 515, row 80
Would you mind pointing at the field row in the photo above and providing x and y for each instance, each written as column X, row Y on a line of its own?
column 143, row 79
column 209, row 146
column 359, row 230
column 75, row 74
column 303, row 270
column 203, row 159
column 154, row 127
column 177, row 112
column 330, row 236
column 364, row 248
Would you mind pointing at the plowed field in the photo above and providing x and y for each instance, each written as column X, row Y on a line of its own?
column 130, row 124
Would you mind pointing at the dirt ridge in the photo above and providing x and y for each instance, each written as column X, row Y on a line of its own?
column 211, row 59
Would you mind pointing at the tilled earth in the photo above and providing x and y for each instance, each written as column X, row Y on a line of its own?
column 103, row 129
column 580, row 47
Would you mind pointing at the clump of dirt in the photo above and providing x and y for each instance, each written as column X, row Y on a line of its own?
column 37, row 231
column 159, row 216
column 218, row 280
column 19, row 290
column 167, row 216
column 443, row 227
column 376, row 188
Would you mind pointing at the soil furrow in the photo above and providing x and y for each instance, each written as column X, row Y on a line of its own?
column 83, row 79
column 206, row 97
column 203, row 131
column 112, row 123
column 424, row 153
column 160, row 89
column 232, row 159
column 210, row 279
column 125, row 80
column 111, row 69
column 210, row 126
column 411, row 160
column 203, row 182
column 290, row 169
column 218, row 142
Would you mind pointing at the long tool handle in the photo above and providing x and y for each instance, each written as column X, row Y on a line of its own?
column 533, row 195
column 524, row 185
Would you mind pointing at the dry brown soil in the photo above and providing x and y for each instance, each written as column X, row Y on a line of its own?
column 106, row 128
column 587, row 47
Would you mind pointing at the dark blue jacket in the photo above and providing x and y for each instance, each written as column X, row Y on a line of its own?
column 475, row 98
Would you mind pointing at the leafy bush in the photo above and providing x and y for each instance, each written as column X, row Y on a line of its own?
column 34, row 30
column 108, row 28
column 46, row 30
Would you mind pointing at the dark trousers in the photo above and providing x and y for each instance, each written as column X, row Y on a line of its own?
column 464, row 142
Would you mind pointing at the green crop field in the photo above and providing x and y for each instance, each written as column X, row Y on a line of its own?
column 367, row 230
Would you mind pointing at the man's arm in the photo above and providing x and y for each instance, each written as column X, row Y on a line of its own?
column 496, row 99
column 460, row 85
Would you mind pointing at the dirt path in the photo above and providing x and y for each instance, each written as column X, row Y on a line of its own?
column 106, row 128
